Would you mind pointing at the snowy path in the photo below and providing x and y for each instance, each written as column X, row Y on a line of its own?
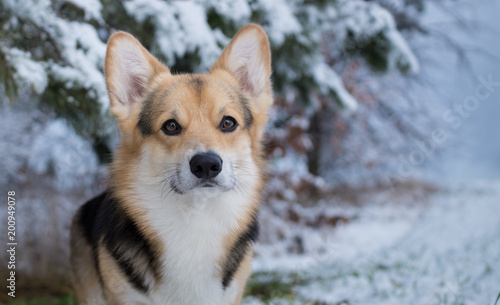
column 446, row 253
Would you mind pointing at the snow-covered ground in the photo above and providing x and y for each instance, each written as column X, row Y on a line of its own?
column 443, row 250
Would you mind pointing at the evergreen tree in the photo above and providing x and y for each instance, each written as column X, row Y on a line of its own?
column 53, row 51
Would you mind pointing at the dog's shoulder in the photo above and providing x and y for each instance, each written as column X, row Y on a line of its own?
column 106, row 223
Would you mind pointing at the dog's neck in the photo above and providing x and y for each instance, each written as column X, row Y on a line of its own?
column 196, row 232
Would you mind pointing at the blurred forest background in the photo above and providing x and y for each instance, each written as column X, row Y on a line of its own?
column 364, row 120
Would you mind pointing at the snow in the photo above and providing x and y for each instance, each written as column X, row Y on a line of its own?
column 281, row 19
column 59, row 150
column 365, row 20
column 84, row 52
column 181, row 27
column 18, row 125
column 236, row 10
column 327, row 80
column 92, row 8
column 401, row 56
column 444, row 250
column 28, row 71
column 81, row 49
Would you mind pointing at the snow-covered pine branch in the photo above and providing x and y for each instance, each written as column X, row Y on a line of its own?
column 54, row 51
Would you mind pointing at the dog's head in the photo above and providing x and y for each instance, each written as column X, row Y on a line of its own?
column 191, row 132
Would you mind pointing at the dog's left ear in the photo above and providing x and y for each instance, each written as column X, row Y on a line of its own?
column 248, row 59
column 129, row 69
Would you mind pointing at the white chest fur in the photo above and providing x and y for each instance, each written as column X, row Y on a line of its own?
column 192, row 229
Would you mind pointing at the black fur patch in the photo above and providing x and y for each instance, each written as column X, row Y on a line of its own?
column 238, row 251
column 88, row 215
column 102, row 218
column 247, row 112
column 197, row 83
column 149, row 112
column 237, row 96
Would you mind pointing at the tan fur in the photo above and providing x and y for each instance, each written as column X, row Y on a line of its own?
column 200, row 114
column 83, row 275
column 242, row 275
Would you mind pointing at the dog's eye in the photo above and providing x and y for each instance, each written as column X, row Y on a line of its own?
column 228, row 124
column 171, row 128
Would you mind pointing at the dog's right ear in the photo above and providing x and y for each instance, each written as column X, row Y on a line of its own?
column 128, row 68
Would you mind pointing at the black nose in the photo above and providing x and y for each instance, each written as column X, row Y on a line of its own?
column 206, row 165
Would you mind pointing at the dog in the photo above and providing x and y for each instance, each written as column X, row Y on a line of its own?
column 178, row 222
